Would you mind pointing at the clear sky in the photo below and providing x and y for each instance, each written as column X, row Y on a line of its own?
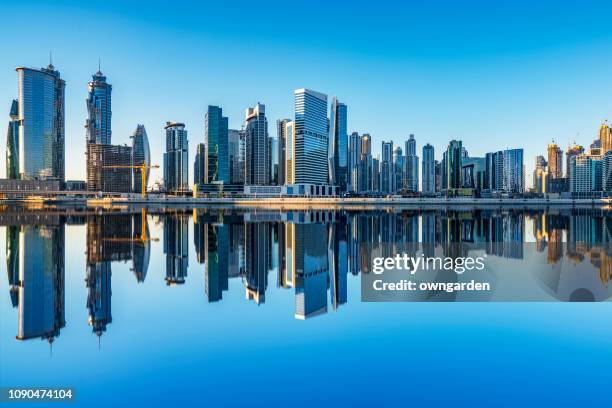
column 493, row 74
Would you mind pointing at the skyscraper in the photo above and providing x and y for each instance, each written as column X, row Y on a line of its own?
column 41, row 118
column 574, row 150
column 453, row 165
column 605, row 136
column 12, row 143
column 101, row 175
column 99, row 112
column 217, row 146
column 540, row 175
column 555, row 161
column 176, row 158
column 354, row 155
column 366, row 169
column 257, row 154
column 429, row 170
column 586, row 174
column 311, row 137
column 236, row 143
column 338, row 145
column 513, row 180
column 281, row 134
column 141, row 154
column 387, row 168
column 199, row 165
column 400, row 167
column 412, row 165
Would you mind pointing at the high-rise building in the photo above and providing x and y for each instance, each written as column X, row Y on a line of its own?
column 429, row 170
column 606, row 169
column 41, row 118
column 605, row 137
column 453, row 165
column 216, row 140
column 289, row 152
column 199, row 165
column 257, row 160
column 412, row 165
column 12, row 143
column 586, row 174
column 555, row 161
column 438, row 177
column 311, row 137
column 354, row 155
column 106, row 168
column 338, row 145
column 273, row 149
column 387, row 168
column 366, row 168
column 574, row 150
column 540, row 175
column 236, row 143
column 399, row 170
column 513, row 179
column 176, row 158
column 99, row 112
column 141, row 154
column 281, row 135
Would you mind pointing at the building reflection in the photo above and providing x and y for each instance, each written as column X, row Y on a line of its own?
column 176, row 247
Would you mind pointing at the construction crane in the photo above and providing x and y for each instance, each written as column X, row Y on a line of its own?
column 143, row 173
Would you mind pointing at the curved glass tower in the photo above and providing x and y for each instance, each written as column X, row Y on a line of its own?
column 141, row 154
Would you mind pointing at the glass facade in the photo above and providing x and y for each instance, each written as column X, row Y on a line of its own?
column 258, row 158
column 41, row 114
column 141, row 154
column 98, row 122
column 217, row 146
column 311, row 137
column 429, row 170
column 176, row 158
column 12, row 143
column 338, row 145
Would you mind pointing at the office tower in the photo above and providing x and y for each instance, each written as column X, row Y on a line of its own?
column 607, row 171
column 555, row 161
column 438, row 176
column 513, row 179
column 12, row 143
column 311, row 137
column 453, row 165
column 176, row 248
column 281, row 135
column 473, row 173
column 354, row 155
column 586, row 174
column 99, row 112
column 399, row 170
column 176, row 158
column 106, row 168
column 605, row 137
column 412, row 165
column 290, row 152
column 429, row 170
column 141, row 155
column 199, row 165
column 574, row 150
column 236, row 143
column 387, row 168
column 41, row 118
column 257, row 153
column 376, row 174
column 494, row 171
column 216, row 139
column 338, row 255
column 338, row 145
column 274, row 163
column 41, row 293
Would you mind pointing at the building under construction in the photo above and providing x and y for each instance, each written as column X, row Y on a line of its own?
column 101, row 176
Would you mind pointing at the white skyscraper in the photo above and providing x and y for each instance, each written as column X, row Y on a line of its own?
column 310, row 137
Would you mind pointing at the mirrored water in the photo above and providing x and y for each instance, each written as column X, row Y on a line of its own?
column 263, row 307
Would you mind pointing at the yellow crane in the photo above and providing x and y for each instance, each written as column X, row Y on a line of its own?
column 143, row 173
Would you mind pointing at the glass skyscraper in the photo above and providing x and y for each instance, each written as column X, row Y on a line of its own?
column 257, row 155
column 198, row 165
column 141, row 154
column 310, row 137
column 217, row 146
column 338, row 145
column 176, row 158
column 412, row 165
column 12, row 143
column 99, row 112
column 429, row 170
column 41, row 115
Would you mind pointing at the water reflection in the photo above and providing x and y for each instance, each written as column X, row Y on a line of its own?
column 310, row 253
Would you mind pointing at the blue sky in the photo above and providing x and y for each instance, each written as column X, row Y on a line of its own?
column 493, row 74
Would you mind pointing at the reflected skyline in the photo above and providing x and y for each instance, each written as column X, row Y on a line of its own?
column 312, row 254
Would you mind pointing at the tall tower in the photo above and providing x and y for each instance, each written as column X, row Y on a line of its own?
column 176, row 158
column 41, row 118
column 311, row 137
column 386, row 168
column 281, row 134
column 257, row 154
column 337, row 161
column 555, row 161
column 354, row 153
column 605, row 137
column 12, row 143
column 99, row 112
column 217, row 146
column 141, row 154
column 412, row 165
column 429, row 170
column 453, row 165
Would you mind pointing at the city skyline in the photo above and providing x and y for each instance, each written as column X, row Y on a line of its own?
column 529, row 90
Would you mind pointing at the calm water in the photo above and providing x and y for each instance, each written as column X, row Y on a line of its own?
column 244, row 307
